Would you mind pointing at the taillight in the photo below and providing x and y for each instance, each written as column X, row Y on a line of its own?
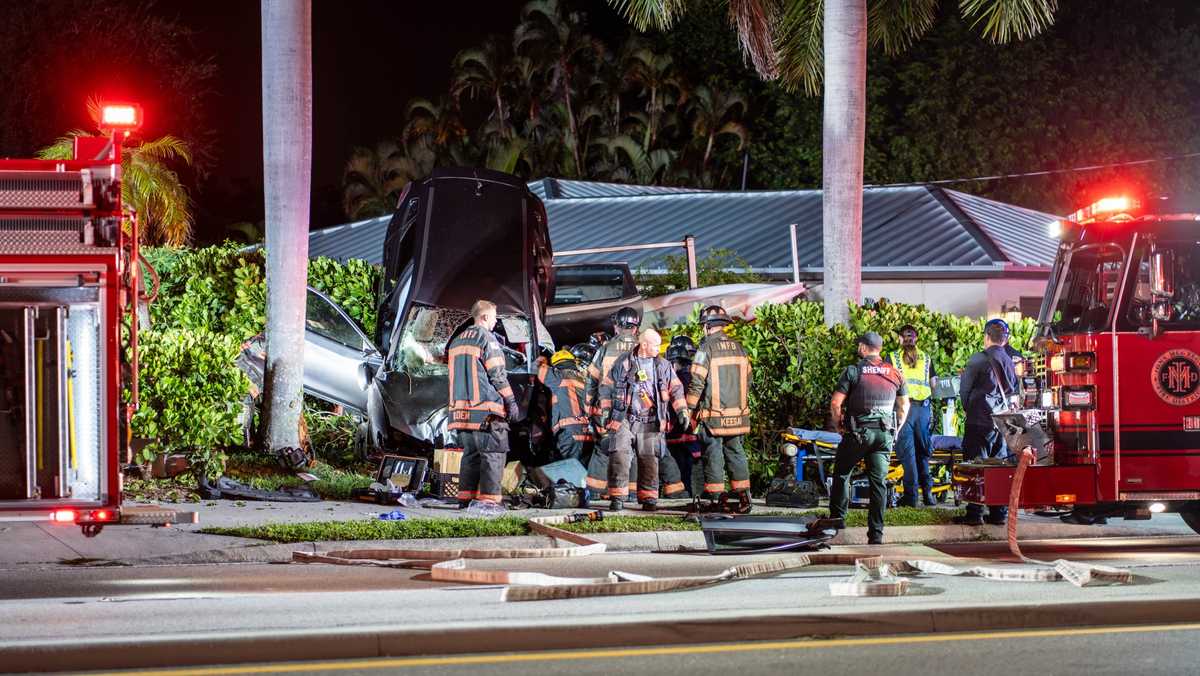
column 1081, row 362
column 63, row 516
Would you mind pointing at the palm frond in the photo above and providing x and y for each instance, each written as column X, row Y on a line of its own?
column 801, row 45
column 650, row 14
column 896, row 24
column 756, row 22
column 506, row 156
column 736, row 129
column 165, row 149
column 63, row 147
column 1005, row 20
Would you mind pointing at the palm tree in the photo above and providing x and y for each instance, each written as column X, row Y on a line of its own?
column 714, row 114
column 435, row 127
column 556, row 42
column 149, row 185
column 480, row 71
column 788, row 39
column 655, row 77
column 287, row 170
column 373, row 179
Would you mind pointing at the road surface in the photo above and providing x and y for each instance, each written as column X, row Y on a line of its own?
column 1117, row 651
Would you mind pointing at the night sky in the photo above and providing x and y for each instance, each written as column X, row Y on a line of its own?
column 369, row 58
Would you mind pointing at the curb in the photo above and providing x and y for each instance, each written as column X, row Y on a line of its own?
column 650, row 541
column 389, row 641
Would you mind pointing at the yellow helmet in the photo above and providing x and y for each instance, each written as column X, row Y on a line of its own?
column 561, row 356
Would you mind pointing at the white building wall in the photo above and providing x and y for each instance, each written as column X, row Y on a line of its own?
column 968, row 298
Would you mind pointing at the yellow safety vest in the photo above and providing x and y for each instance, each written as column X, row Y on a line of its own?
column 916, row 376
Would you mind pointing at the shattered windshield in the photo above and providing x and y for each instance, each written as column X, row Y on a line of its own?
column 1089, row 289
column 429, row 329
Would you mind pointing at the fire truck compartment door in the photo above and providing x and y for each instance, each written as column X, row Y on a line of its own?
column 1043, row 486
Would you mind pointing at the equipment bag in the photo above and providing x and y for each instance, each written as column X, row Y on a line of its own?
column 570, row 470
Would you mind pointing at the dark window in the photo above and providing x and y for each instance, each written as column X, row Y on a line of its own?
column 324, row 319
column 1185, row 303
column 1088, row 292
column 588, row 284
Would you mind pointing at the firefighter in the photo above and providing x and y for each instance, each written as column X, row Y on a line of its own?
column 481, row 405
column 569, row 420
column 718, row 394
column 989, row 377
column 682, row 445
column 868, row 402
column 636, row 400
column 625, row 326
column 914, row 445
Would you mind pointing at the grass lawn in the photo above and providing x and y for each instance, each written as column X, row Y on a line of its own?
column 418, row 529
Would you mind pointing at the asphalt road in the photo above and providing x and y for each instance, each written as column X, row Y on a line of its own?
column 1146, row 651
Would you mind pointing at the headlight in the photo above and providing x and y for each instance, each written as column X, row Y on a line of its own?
column 790, row 450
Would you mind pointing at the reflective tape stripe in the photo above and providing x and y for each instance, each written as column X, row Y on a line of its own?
column 593, row 482
column 647, row 495
column 715, row 488
column 671, row 489
column 618, row 492
column 740, row 484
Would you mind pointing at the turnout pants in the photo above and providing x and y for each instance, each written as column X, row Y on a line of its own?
column 720, row 454
column 597, row 469
column 914, row 447
column 573, row 442
column 645, row 441
column 979, row 442
column 484, row 453
column 872, row 445
column 669, row 472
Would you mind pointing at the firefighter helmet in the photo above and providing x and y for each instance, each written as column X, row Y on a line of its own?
column 584, row 353
column 627, row 318
column 597, row 339
column 678, row 353
column 714, row 315
column 561, row 356
column 684, row 342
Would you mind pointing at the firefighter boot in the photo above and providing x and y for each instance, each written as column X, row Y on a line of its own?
column 616, row 504
column 743, row 505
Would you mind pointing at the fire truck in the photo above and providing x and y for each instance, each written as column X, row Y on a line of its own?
column 1112, row 405
column 69, row 281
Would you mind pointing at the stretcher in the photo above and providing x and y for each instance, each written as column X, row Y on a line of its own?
column 817, row 449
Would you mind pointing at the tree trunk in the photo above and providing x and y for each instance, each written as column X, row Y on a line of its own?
column 287, row 167
column 844, row 133
column 566, row 85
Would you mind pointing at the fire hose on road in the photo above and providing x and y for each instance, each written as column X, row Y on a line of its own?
column 872, row 577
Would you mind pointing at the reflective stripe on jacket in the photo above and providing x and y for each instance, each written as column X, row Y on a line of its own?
column 479, row 384
column 567, row 395
column 598, row 371
column 720, row 388
column 917, row 376
column 617, row 391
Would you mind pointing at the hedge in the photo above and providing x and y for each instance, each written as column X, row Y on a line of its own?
column 210, row 301
column 797, row 360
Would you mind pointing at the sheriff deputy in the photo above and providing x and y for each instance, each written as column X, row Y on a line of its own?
column 870, row 398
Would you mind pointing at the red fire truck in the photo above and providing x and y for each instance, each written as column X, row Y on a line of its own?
column 68, row 281
column 1112, row 408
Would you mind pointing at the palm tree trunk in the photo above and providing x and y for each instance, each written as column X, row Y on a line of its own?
column 708, row 150
column 500, row 116
column 844, row 133
column 287, row 167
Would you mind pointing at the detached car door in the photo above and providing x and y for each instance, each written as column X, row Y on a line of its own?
column 334, row 349
column 585, row 297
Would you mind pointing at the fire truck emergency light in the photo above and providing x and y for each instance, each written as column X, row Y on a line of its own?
column 1113, row 207
column 120, row 116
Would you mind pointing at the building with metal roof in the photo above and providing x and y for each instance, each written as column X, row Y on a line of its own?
column 922, row 244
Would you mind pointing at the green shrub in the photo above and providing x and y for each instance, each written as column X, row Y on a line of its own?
column 797, row 360
column 190, row 396
column 223, row 289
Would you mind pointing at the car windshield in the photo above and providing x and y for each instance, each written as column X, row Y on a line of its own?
column 1089, row 289
column 427, row 333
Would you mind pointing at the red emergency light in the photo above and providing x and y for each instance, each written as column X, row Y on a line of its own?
column 120, row 116
column 63, row 516
column 1110, row 208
